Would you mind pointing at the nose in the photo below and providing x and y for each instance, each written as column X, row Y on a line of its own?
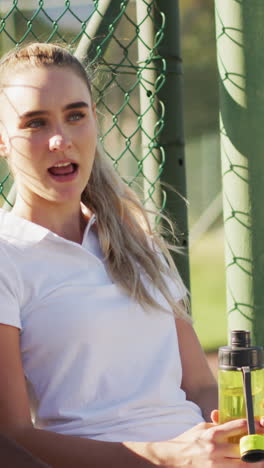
column 59, row 143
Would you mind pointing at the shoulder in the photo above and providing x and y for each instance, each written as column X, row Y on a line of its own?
column 19, row 232
column 9, row 272
column 10, row 275
column 11, row 280
column 6, row 250
column 9, row 226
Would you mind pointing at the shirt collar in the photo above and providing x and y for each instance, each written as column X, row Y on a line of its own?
column 15, row 229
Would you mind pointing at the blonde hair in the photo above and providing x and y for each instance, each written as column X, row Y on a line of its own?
column 129, row 244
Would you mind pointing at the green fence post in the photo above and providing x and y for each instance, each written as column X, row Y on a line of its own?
column 148, row 106
column 239, row 32
column 99, row 31
column 172, row 135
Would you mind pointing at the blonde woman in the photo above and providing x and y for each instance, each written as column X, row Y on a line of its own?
column 99, row 363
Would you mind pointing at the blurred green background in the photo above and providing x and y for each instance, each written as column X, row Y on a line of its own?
column 204, row 191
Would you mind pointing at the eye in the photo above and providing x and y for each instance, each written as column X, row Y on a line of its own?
column 75, row 116
column 35, row 123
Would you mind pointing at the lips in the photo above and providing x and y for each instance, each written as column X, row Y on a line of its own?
column 63, row 170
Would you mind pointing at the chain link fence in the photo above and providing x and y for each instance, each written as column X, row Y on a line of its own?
column 122, row 39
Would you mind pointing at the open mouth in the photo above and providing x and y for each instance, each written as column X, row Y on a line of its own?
column 63, row 169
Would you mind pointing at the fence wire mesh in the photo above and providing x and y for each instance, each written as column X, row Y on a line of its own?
column 122, row 38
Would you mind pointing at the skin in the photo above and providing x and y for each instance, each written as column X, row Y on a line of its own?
column 31, row 146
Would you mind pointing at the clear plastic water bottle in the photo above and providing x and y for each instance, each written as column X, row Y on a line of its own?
column 241, row 390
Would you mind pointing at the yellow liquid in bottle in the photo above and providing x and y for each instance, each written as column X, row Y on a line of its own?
column 231, row 396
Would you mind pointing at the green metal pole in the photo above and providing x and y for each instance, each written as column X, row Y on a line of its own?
column 148, row 106
column 172, row 135
column 100, row 29
column 239, row 32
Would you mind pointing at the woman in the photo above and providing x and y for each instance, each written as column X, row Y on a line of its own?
column 89, row 295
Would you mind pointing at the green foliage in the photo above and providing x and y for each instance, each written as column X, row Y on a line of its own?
column 200, row 67
column 201, row 107
column 208, row 290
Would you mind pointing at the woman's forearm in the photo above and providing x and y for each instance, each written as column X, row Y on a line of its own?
column 14, row 455
column 65, row 451
column 206, row 444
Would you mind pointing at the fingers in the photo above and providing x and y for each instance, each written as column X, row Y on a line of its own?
column 209, row 443
column 259, row 426
column 230, row 451
column 222, row 432
column 215, row 416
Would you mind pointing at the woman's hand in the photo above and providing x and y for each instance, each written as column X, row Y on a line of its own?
column 259, row 425
column 206, row 446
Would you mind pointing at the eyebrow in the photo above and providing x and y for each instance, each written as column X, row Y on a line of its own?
column 72, row 105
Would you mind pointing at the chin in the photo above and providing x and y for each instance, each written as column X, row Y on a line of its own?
column 62, row 197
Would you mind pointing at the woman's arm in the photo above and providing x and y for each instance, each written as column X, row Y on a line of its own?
column 197, row 379
column 205, row 445
column 13, row 455
column 202, row 445
column 54, row 449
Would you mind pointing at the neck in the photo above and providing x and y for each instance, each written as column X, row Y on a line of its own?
column 67, row 221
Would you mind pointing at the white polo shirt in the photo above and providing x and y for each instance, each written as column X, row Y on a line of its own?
column 97, row 364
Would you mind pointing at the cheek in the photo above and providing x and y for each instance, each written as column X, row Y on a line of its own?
column 25, row 147
column 88, row 134
column 24, row 154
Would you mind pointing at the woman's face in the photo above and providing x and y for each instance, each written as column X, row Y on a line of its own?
column 49, row 132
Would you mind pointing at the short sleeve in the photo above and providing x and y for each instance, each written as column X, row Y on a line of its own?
column 176, row 287
column 10, row 291
column 173, row 281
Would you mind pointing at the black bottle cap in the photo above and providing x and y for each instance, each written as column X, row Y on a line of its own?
column 240, row 338
column 240, row 353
